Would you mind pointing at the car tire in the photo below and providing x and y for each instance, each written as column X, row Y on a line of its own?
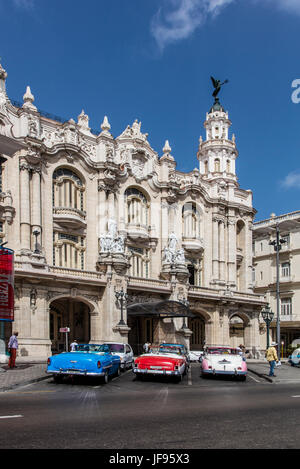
column 105, row 378
column 178, row 379
column 58, row 379
column 118, row 372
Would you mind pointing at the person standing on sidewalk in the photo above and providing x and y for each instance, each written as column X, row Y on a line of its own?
column 271, row 356
column 73, row 346
column 12, row 348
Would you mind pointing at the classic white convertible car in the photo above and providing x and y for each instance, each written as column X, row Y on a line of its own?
column 222, row 360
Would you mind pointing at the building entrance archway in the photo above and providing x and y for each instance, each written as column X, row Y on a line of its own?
column 236, row 330
column 68, row 312
column 197, row 326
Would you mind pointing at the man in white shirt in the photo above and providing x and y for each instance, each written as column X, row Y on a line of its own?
column 73, row 346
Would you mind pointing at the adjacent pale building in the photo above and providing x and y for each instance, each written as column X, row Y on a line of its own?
column 91, row 217
column 265, row 274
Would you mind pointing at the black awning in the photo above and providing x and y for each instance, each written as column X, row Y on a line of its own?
column 161, row 309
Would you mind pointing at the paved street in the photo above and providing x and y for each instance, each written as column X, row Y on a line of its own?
column 152, row 414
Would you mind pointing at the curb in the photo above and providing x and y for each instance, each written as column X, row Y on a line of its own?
column 23, row 383
column 261, row 375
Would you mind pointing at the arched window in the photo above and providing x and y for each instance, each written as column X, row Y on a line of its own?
column 228, row 166
column 68, row 189
column 206, row 167
column 68, row 250
column 137, row 207
column 190, row 221
column 139, row 260
column 217, row 165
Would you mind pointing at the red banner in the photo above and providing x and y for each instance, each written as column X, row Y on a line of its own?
column 6, row 284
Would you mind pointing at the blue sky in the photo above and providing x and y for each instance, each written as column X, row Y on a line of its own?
column 152, row 60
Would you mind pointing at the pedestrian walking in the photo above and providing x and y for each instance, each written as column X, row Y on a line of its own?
column 271, row 356
column 73, row 346
column 146, row 347
column 12, row 348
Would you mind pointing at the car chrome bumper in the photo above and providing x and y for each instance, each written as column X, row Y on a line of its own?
column 157, row 372
column 225, row 372
column 74, row 372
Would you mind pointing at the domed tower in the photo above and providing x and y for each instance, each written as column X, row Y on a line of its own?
column 217, row 154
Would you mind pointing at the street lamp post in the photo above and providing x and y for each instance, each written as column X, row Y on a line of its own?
column 267, row 316
column 122, row 298
column 277, row 247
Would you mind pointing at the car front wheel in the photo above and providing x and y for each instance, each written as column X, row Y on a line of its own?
column 105, row 378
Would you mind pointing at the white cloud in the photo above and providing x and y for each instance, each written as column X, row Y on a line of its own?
column 292, row 180
column 178, row 19
column 183, row 19
column 291, row 6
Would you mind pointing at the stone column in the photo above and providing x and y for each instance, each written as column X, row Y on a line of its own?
column 222, row 250
column 111, row 205
column 25, row 206
column 231, row 274
column 215, row 248
column 101, row 212
column 36, row 201
column 164, row 223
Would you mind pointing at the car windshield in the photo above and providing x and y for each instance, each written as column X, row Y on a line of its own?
column 153, row 349
column 92, row 348
column 166, row 349
column 222, row 351
column 119, row 348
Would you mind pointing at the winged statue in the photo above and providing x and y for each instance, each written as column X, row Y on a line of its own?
column 217, row 86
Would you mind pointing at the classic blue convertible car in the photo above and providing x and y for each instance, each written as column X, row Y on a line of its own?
column 88, row 360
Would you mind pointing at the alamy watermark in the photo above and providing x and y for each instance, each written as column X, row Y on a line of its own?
column 296, row 94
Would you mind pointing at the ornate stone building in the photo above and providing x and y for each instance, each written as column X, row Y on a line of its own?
column 90, row 216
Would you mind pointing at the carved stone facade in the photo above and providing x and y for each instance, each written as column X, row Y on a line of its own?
column 88, row 215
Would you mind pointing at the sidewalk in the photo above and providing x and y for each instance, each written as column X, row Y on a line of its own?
column 24, row 373
column 283, row 373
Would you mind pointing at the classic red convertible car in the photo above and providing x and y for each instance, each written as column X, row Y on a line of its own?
column 163, row 361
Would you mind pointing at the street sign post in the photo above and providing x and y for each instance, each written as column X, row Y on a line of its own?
column 65, row 330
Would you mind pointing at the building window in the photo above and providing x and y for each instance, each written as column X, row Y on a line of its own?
column 205, row 167
column 139, row 260
column 217, row 165
column 69, row 250
column 137, row 207
column 285, row 269
column 286, row 238
column 190, row 221
column 286, row 307
column 195, row 272
column 68, row 189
